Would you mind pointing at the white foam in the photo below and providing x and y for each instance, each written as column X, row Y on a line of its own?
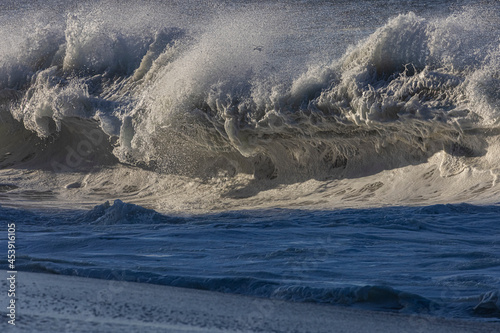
column 231, row 104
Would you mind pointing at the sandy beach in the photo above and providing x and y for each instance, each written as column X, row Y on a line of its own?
column 55, row 303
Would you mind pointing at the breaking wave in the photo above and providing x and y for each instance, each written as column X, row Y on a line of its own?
column 92, row 90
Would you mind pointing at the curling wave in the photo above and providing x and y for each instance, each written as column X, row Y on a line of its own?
column 204, row 103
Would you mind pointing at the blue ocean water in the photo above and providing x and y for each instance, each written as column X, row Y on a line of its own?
column 440, row 260
column 332, row 152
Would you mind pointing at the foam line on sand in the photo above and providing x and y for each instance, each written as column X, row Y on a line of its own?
column 56, row 303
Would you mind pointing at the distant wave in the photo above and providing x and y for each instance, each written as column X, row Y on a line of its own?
column 213, row 103
column 124, row 213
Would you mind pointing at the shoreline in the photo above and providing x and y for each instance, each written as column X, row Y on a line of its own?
column 58, row 303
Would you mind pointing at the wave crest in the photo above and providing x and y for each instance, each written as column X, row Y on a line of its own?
column 177, row 100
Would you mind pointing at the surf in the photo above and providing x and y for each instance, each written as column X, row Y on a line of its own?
column 225, row 103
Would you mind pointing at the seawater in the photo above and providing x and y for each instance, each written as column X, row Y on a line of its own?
column 313, row 151
column 440, row 260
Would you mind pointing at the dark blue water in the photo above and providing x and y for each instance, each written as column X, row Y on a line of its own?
column 441, row 260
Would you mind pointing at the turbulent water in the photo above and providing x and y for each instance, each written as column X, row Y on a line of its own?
column 304, row 150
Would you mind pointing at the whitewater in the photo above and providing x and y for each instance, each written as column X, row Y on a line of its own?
column 331, row 152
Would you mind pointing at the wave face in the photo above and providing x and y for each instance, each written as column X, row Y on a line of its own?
column 241, row 90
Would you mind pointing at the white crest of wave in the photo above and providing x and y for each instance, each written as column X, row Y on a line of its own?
column 232, row 91
column 48, row 101
column 240, row 103
column 217, row 79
